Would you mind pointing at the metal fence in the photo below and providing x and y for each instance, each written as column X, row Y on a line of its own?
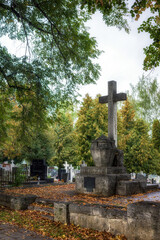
column 12, row 178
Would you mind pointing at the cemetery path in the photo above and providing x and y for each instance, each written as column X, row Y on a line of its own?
column 66, row 192
column 12, row 232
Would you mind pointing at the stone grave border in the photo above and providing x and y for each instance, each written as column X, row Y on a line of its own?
column 139, row 221
column 16, row 201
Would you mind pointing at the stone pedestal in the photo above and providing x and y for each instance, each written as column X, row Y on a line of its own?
column 108, row 177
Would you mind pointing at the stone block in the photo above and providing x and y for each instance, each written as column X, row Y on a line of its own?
column 22, row 202
column 18, row 202
column 102, row 170
column 61, row 212
column 125, row 188
column 104, row 185
column 99, row 217
column 143, row 221
column 103, row 151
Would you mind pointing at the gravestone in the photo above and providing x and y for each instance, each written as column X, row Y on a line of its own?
column 62, row 175
column 108, row 176
column 38, row 168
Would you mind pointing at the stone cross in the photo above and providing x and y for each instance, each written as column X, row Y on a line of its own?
column 12, row 164
column 112, row 99
column 71, row 172
column 66, row 166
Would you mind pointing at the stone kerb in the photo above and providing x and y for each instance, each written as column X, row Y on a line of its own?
column 139, row 221
column 143, row 221
column 100, row 218
column 18, row 202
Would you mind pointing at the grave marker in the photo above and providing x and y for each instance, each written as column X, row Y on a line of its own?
column 112, row 99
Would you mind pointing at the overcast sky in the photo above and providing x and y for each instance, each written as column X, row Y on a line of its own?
column 122, row 58
column 121, row 61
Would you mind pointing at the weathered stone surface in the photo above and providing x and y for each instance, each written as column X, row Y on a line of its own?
column 103, row 151
column 112, row 99
column 140, row 221
column 61, row 212
column 105, row 211
column 18, row 202
column 130, row 187
column 143, row 221
column 102, row 170
column 104, row 185
column 100, row 218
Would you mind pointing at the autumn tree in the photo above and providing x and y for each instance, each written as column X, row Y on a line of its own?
column 126, row 123
column 134, row 140
column 10, row 146
column 156, row 134
column 92, row 122
column 33, row 145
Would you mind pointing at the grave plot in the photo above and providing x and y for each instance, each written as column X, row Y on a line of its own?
column 67, row 193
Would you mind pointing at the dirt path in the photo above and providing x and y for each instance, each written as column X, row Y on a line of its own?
column 12, row 232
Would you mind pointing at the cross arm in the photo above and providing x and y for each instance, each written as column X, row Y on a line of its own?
column 116, row 98
column 120, row 97
column 103, row 99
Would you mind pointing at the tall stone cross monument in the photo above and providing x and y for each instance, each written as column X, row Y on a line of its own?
column 112, row 99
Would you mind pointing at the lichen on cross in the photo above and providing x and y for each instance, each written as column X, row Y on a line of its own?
column 112, row 99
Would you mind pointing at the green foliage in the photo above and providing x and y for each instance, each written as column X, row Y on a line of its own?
column 146, row 98
column 156, row 134
column 25, row 135
column 151, row 26
column 134, row 140
column 114, row 12
column 92, row 122
column 37, row 146
column 63, row 140
column 19, row 177
column 58, row 58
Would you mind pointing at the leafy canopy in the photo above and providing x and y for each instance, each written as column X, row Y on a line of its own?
column 59, row 52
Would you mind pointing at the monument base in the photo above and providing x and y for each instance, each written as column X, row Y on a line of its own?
column 108, row 177
column 108, row 181
column 100, row 180
column 130, row 187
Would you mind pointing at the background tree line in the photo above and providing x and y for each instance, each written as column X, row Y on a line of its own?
column 68, row 137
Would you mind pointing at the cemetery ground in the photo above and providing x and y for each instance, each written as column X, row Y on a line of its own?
column 40, row 221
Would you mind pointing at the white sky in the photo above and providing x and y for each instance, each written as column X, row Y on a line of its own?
column 122, row 58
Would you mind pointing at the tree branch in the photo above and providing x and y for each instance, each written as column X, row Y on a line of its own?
column 12, row 9
column 8, row 79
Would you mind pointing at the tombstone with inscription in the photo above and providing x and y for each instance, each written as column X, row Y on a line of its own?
column 108, row 176
column 38, row 168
